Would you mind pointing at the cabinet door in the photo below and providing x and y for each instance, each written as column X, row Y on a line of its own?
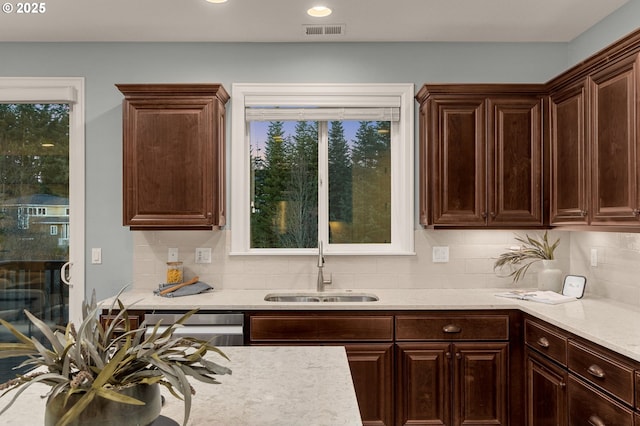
column 458, row 164
column 423, row 384
column 569, row 170
column 480, row 384
column 172, row 151
column 514, row 161
column 371, row 369
column 546, row 395
column 614, row 152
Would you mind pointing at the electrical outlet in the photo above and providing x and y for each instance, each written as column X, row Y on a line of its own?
column 441, row 254
column 594, row 257
column 203, row 255
column 172, row 256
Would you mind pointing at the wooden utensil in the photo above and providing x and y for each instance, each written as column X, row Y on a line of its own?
column 177, row 286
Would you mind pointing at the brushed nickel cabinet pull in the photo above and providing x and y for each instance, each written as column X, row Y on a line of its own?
column 543, row 342
column 596, row 371
column 596, row 421
column 451, row 328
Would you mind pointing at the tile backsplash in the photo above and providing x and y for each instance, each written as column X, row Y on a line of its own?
column 471, row 257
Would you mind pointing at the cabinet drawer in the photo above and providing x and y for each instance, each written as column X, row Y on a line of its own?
column 107, row 319
column 467, row 327
column 588, row 406
column 546, row 341
column 321, row 328
column 602, row 370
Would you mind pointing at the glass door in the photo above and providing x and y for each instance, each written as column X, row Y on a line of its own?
column 37, row 160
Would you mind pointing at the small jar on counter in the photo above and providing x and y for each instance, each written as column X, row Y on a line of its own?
column 174, row 272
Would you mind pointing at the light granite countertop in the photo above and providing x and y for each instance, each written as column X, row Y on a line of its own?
column 269, row 386
column 611, row 324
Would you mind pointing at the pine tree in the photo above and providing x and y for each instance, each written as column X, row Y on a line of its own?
column 340, row 180
column 270, row 185
column 371, row 184
column 302, row 189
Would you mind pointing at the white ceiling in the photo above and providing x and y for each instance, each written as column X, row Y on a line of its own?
column 283, row 20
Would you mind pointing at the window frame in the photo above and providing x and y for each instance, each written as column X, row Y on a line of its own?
column 333, row 95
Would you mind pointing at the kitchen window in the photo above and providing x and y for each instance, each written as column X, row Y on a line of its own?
column 322, row 162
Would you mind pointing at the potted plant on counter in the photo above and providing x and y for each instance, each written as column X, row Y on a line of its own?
column 108, row 373
column 530, row 251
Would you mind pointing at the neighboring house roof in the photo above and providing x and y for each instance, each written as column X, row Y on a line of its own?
column 38, row 200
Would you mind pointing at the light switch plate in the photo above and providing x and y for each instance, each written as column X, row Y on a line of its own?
column 96, row 256
column 172, row 255
column 203, row 255
column 440, row 254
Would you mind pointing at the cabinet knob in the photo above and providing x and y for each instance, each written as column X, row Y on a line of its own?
column 448, row 355
column 563, row 385
column 458, row 355
column 493, row 215
column 636, row 212
column 596, row 421
column 484, row 215
column 596, row 371
column 543, row 342
column 452, row 328
column 583, row 213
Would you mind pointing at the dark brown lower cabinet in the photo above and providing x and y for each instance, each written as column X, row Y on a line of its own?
column 452, row 383
column 372, row 372
column 546, row 392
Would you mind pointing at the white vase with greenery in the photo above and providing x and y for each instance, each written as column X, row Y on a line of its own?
column 531, row 250
column 97, row 365
column 550, row 276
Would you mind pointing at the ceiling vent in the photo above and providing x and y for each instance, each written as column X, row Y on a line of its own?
column 324, row 30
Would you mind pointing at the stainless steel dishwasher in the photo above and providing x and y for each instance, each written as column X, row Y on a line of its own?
column 220, row 328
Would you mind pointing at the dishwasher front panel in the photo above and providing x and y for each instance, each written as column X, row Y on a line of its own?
column 220, row 329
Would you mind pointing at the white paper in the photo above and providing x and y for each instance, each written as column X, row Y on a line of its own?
column 547, row 296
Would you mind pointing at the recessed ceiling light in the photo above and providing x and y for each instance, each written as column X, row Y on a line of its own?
column 217, row 1
column 319, row 11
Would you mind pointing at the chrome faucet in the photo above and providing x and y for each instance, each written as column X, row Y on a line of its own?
column 321, row 281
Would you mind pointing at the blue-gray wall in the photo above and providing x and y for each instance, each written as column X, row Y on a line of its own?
column 613, row 27
column 104, row 64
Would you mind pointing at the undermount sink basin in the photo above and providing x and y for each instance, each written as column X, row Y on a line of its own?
column 320, row 297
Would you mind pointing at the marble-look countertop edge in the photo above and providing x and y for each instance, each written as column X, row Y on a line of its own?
column 602, row 321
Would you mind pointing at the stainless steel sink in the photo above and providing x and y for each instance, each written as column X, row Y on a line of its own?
column 320, row 297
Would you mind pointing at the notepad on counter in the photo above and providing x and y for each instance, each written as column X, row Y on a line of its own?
column 541, row 296
column 572, row 290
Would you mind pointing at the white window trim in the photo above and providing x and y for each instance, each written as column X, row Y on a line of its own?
column 69, row 90
column 327, row 95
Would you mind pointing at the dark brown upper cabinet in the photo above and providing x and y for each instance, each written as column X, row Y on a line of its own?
column 570, row 174
column 173, row 155
column 595, row 148
column 481, row 155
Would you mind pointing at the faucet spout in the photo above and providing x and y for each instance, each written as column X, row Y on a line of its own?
column 322, row 282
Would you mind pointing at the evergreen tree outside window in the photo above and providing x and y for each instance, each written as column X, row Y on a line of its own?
column 325, row 162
